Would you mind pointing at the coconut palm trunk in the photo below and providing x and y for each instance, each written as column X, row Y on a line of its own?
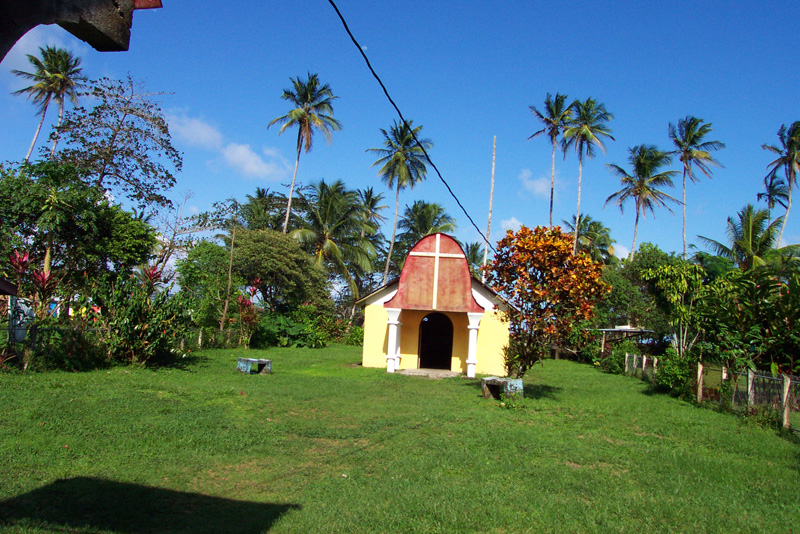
column 683, row 201
column 36, row 135
column 394, row 234
column 552, row 182
column 785, row 216
column 578, row 210
column 635, row 233
column 291, row 187
column 60, row 120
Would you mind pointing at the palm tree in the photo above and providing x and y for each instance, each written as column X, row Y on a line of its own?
column 371, row 207
column 775, row 192
column 420, row 219
column 313, row 110
column 593, row 237
column 788, row 158
column 475, row 253
column 556, row 118
column 332, row 229
column 751, row 238
column 402, row 161
column 690, row 147
column 584, row 132
column 643, row 184
column 264, row 210
column 56, row 75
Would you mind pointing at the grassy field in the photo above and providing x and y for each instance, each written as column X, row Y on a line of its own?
column 324, row 445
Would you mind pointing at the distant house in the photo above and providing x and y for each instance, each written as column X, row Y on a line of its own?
column 435, row 316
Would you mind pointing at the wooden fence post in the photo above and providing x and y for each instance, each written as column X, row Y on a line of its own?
column 627, row 365
column 699, row 382
column 644, row 366
column 751, row 391
column 723, row 374
column 785, row 400
column 200, row 339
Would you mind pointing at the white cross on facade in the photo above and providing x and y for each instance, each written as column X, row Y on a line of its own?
column 436, row 255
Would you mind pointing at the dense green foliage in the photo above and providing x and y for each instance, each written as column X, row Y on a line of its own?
column 47, row 208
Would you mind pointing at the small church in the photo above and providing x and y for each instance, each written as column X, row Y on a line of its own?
column 436, row 315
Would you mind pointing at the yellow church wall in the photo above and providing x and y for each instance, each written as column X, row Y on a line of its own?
column 492, row 337
column 376, row 336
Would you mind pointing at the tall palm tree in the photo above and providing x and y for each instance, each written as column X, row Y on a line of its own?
column 775, row 192
column 789, row 159
column 556, row 118
column 475, row 253
column 402, row 161
column 56, row 75
column 420, row 219
column 371, row 207
column 585, row 131
column 751, row 238
column 691, row 148
column 642, row 185
column 313, row 110
column 593, row 237
column 332, row 229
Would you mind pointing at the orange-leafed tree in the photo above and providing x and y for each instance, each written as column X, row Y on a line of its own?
column 548, row 288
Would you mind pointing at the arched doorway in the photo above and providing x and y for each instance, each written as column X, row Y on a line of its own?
column 435, row 341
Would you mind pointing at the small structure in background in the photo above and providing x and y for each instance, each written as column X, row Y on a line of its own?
column 620, row 332
column 450, row 320
column 254, row 366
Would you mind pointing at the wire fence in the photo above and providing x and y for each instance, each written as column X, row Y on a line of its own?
column 751, row 391
column 641, row 366
column 745, row 392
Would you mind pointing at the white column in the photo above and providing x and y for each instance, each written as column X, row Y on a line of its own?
column 472, row 352
column 393, row 344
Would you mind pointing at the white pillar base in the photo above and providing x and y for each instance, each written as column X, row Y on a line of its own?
column 472, row 351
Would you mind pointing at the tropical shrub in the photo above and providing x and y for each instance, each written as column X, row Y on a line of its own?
column 549, row 290
column 137, row 323
column 355, row 336
column 675, row 372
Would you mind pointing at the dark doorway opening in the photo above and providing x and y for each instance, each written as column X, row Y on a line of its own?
column 435, row 341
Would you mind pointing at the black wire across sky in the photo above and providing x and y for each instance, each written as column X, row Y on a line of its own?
column 400, row 114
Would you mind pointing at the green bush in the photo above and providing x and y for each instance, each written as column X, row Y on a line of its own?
column 615, row 361
column 137, row 323
column 67, row 347
column 276, row 330
column 675, row 373
column 354, row 337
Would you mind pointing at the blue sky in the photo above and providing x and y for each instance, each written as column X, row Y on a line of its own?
column 466, row 71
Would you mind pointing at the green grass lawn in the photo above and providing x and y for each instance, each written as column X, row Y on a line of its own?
column 323, row 445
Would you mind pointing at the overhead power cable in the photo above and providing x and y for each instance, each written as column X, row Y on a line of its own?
column 400, row 114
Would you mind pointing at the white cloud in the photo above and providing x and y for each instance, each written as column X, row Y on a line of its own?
column 540, row 187
column 245, row 159
column 195, row 132
column 511, row 224
column 621, row 252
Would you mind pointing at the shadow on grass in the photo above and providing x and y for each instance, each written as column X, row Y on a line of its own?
column 531, row 391
column 92, row 504
column 183, row 363
column 540, row 391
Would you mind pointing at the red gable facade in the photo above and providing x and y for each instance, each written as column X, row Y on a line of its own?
column 435, row 277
